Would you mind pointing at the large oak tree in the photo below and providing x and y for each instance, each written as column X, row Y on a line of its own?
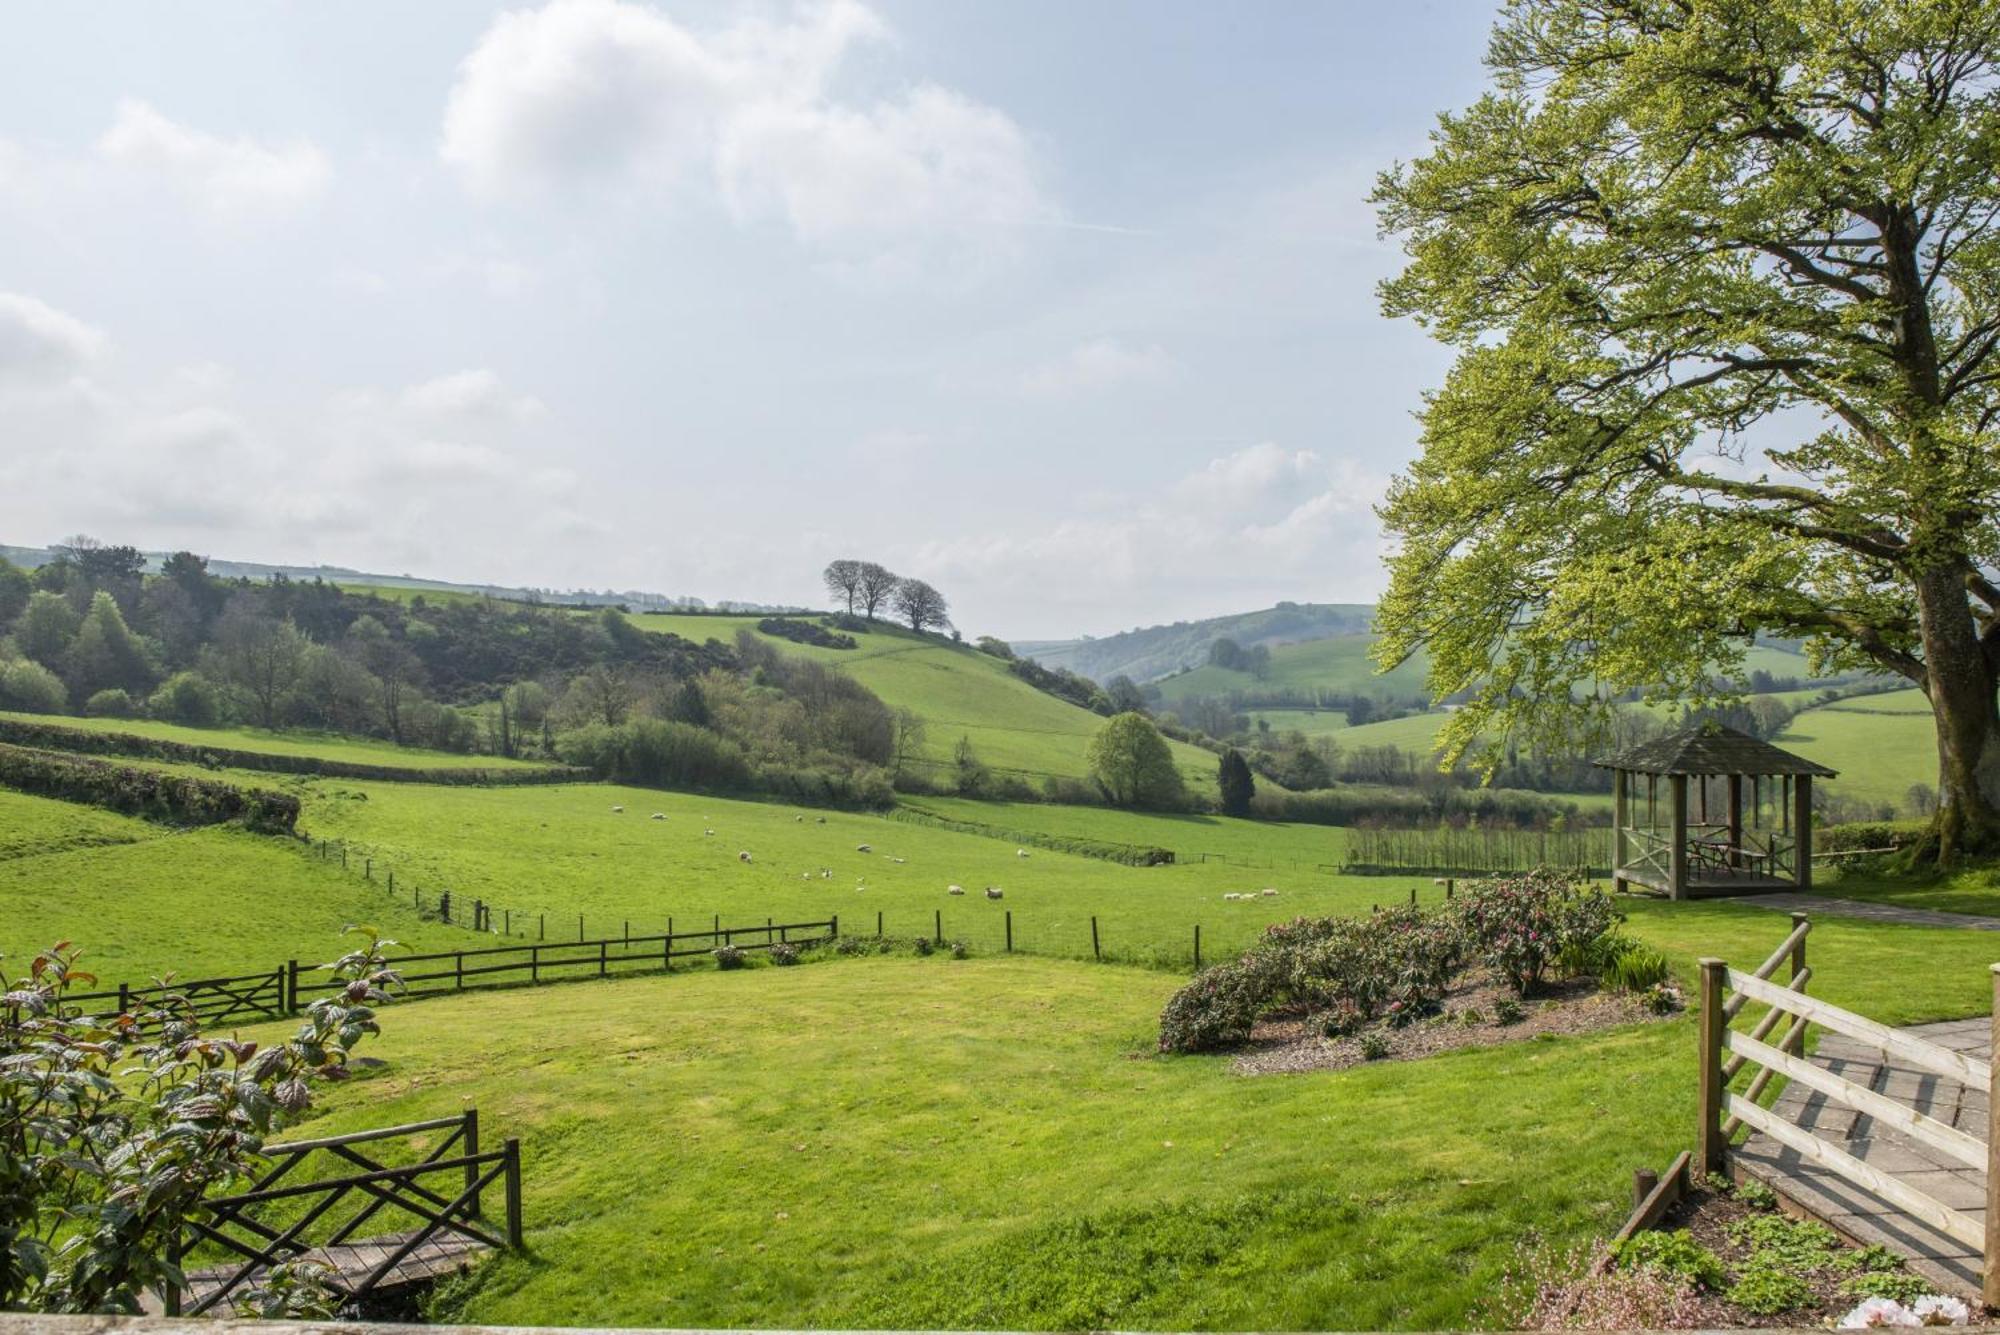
column 1723, row 281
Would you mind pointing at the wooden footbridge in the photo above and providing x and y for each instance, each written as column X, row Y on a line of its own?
column 373, row 1226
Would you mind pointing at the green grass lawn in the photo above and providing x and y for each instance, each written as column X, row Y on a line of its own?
column 1975, row 890
column 959, row 692
column 37, row 826
column 1247, row 842
column 198, row 904
column 992, row 1144
column 262, row 741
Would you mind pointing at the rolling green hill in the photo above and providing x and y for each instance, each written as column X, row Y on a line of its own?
column 1337, row 665
column 959, row 692
column 1151, row 652
column 285, row 742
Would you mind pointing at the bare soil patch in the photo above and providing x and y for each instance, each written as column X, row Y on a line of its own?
column 1473, row 1015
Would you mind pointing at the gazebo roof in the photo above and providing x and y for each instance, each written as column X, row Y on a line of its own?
column 1710, row 748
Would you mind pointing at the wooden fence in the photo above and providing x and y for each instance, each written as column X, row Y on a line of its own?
column 415, row 1230
column 1470, row 851
column 1725, row 1051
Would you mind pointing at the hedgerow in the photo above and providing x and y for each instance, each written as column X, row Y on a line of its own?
column 173, row 798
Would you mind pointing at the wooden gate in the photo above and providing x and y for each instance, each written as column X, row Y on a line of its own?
column 401, row 1223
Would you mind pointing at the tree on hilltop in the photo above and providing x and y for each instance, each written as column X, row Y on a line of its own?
column 1724, row 285
column 920, row 605
column 843, row 581
column 873, row 586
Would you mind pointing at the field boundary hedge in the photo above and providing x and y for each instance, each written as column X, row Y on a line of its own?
column 174, row 798
column 1131, row 855
column 90, row 741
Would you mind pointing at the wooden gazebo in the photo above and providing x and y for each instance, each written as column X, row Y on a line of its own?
column 1709, row 810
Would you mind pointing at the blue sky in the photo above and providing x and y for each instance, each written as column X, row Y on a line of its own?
column 1066, row 307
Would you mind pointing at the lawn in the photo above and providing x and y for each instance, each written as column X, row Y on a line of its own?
column 991, row 1144
column 263, row 741
column 198, row 904
column 1882, row 745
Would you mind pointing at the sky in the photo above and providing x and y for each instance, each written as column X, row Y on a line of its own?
column 1067, row 308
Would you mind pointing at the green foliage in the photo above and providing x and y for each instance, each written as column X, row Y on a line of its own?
column 188, row 698
column 28, row 686
column 102, row 1172
column 1784, row 1243
column 1235, row 784
column 1766, row 1291
column 106, row 655
column 1217, row 1009
column 1676, row 1255
column 655, row 753
column 1522, row 924
column 1508, row 1011
column 46, row 628
column 1374, row 1046
column 15, row 589
column 110, row 703
column 1899, row 1286
column 1756, row 1195
column 174, row 798
column 730, row 957
column 1666, row 290
column 784, row 954
column 1132, row 764
column 1639, row 969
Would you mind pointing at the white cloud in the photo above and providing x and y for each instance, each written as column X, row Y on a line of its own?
column 1096, row 364
column 42, row 346
column 231, row 178
column 470, row 394
column 599, row 90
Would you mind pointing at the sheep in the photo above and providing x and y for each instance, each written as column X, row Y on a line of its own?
column 743, row 855
column 1231, row 896
column 659, row 815
column 954, row 889
column 616, row 811
column 863, row 848
column 709, row 833
column 819, row 820
column 993, row 892
column 798, row 820
column 1020, row 852
column 1269, row 893
column 826, row 873
column 898, row 861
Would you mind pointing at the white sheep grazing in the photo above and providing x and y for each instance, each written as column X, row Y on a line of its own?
column 617, row 810
column 659, row 815
column 1020, row 852
column 743, row 855
column 819, row 820
column 1231, row 896
column 1269, row 893
column 863, row 848
column 993, row 892
column 709, row 833
column 898, row 861
column 826, row 873
column 954, row 889
column 798, row 820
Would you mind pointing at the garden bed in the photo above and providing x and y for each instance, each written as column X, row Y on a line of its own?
column 1726, row 1257
column 1480, row 1010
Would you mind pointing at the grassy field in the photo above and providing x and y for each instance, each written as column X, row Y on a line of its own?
column 908, row 1144
column 1338, row 664
column 144, row 901
column 263, row 741
column 959, row 692
column 1881, row 744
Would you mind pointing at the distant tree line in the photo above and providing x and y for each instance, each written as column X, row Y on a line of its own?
column 865, row 588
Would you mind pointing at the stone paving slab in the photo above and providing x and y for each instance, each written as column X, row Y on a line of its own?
column 1828, row 906
column 1854, row 1212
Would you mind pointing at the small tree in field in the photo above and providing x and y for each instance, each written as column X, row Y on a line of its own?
column 1723, row 281
column 1238, row 786
column 113, row 1131
column 843, row 581
column 920, row 605
column 1133, row 764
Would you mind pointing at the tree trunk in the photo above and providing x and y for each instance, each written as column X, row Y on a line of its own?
column 1962, row 693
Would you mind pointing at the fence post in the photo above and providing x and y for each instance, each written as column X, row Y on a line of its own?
column 458, row 972
column 1989, row 1274
column 291, row 986
column 392, row 882
column 444, row 906
column 1197, row 947
column 124, row 999
column 343, row 857
column 1708, row 1140
column 833, row 928
column 579, row 927
column 507, row 923
column 368, row 869
column 628, row 931
column 1095, row 953
column 937, row 921
column 878, row 922
column 1413, row 896
column 513, row 1161
column 1797, row 1045
column 542, row 927
column 534, row 964
column 601, row 962
column 767, row 930
column 172, row 1297
column 471, row 1150
column 1010, row 931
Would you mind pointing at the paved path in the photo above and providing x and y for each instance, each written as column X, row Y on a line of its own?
column 1829, row 907
column 1859, row 1214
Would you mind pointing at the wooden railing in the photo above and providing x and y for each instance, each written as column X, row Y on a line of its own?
column 1725, row 992
column 281, row 1219
column 213, row 1001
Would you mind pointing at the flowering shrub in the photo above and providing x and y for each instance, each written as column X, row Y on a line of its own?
column 1217, row 1008
column 1520, row 925
column 729, row 957
column 784, row 953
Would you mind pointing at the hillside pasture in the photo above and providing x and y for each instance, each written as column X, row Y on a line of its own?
column 37, row 826
column 958, row 692
column 1337, row 665
column 282, row 742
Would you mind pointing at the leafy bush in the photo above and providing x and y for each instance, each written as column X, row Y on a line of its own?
column 656, row 753
column 1847, row 838
column 854, row 945
column 1640, row 969
column 1374, row 1047
column 1662, row 998
column 1507, row 1011
column 1217, row 1009
column 1676, row 1255
column 187, row 698
column 1764, row 1290
column 1898, row 1286
column 805, row 632
column 174, row 798
column 784, row 954
column 27, row 686
column 729, row 957
column 922, row 945
column 960, row 950
column 1522, row 924
column 111, row 703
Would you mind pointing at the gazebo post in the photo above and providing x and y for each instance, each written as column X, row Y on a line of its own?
column 1802, row 832
column 1620, row 818
column 1735, row 820
column 1677, row 877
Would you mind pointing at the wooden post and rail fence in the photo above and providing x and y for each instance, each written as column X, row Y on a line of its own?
column 1725, row 1051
